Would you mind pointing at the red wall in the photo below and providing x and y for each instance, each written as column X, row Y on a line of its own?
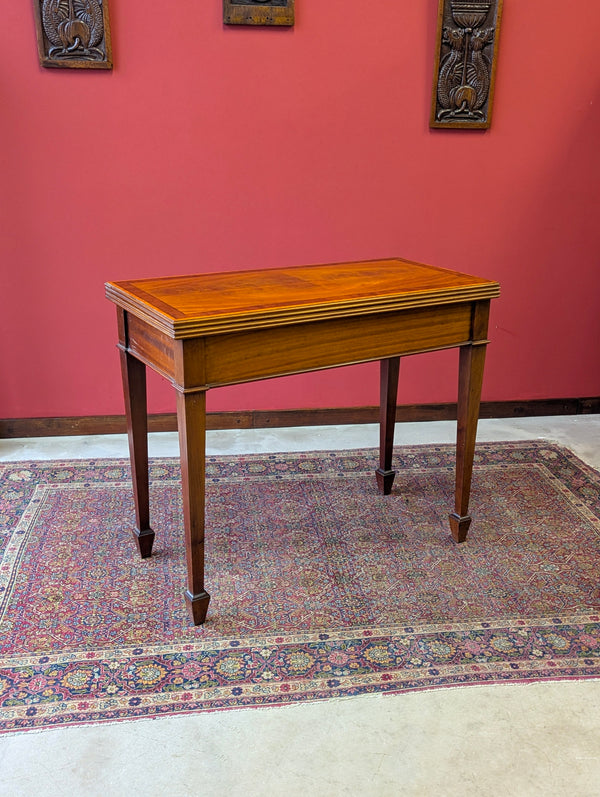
column 210, row 148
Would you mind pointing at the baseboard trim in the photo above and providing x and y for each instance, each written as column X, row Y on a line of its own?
column 263, row 419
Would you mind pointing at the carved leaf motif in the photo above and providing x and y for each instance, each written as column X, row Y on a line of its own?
column 66, row 22
column 53, row 13
column 91, row 13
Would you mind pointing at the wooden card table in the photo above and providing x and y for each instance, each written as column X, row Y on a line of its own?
column 209, row 330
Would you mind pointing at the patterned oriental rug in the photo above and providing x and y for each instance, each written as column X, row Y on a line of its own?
column 320, row 587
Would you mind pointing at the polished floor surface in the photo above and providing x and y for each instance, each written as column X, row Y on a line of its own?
column 541, row 739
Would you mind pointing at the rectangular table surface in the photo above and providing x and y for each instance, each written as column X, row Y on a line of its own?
column 214, row 303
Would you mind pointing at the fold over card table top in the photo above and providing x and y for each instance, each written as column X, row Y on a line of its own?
column 207, row 304
column 209, row 330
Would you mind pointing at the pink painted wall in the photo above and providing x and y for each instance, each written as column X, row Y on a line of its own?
column 211, row 148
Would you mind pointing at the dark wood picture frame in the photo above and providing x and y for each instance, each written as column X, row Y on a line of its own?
column 258, row 12
column 465, row 63
column 73, row 34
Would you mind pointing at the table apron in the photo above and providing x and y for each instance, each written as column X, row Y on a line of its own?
column 215, row 360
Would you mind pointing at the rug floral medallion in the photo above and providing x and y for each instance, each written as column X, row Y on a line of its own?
column 320, row 587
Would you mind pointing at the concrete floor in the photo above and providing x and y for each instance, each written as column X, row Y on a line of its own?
column 541, row 739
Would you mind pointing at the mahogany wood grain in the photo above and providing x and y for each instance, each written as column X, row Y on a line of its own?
column 207, row 330
column 470, row 379
column 471, row 364
column 314, row 345
column 134, row 389
column 388, row 392
column 191, row 418
column 205, row 304
column 151, row 346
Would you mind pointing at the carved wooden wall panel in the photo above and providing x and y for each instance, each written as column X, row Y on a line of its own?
column 73, row 33
column 465, row 66
column 258, row 12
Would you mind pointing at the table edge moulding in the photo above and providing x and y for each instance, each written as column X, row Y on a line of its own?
column 208, row 330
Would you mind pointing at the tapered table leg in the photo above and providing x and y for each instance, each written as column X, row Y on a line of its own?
column 388, row 392
column 191, row 420
column 134, row 389
column 471, row 362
